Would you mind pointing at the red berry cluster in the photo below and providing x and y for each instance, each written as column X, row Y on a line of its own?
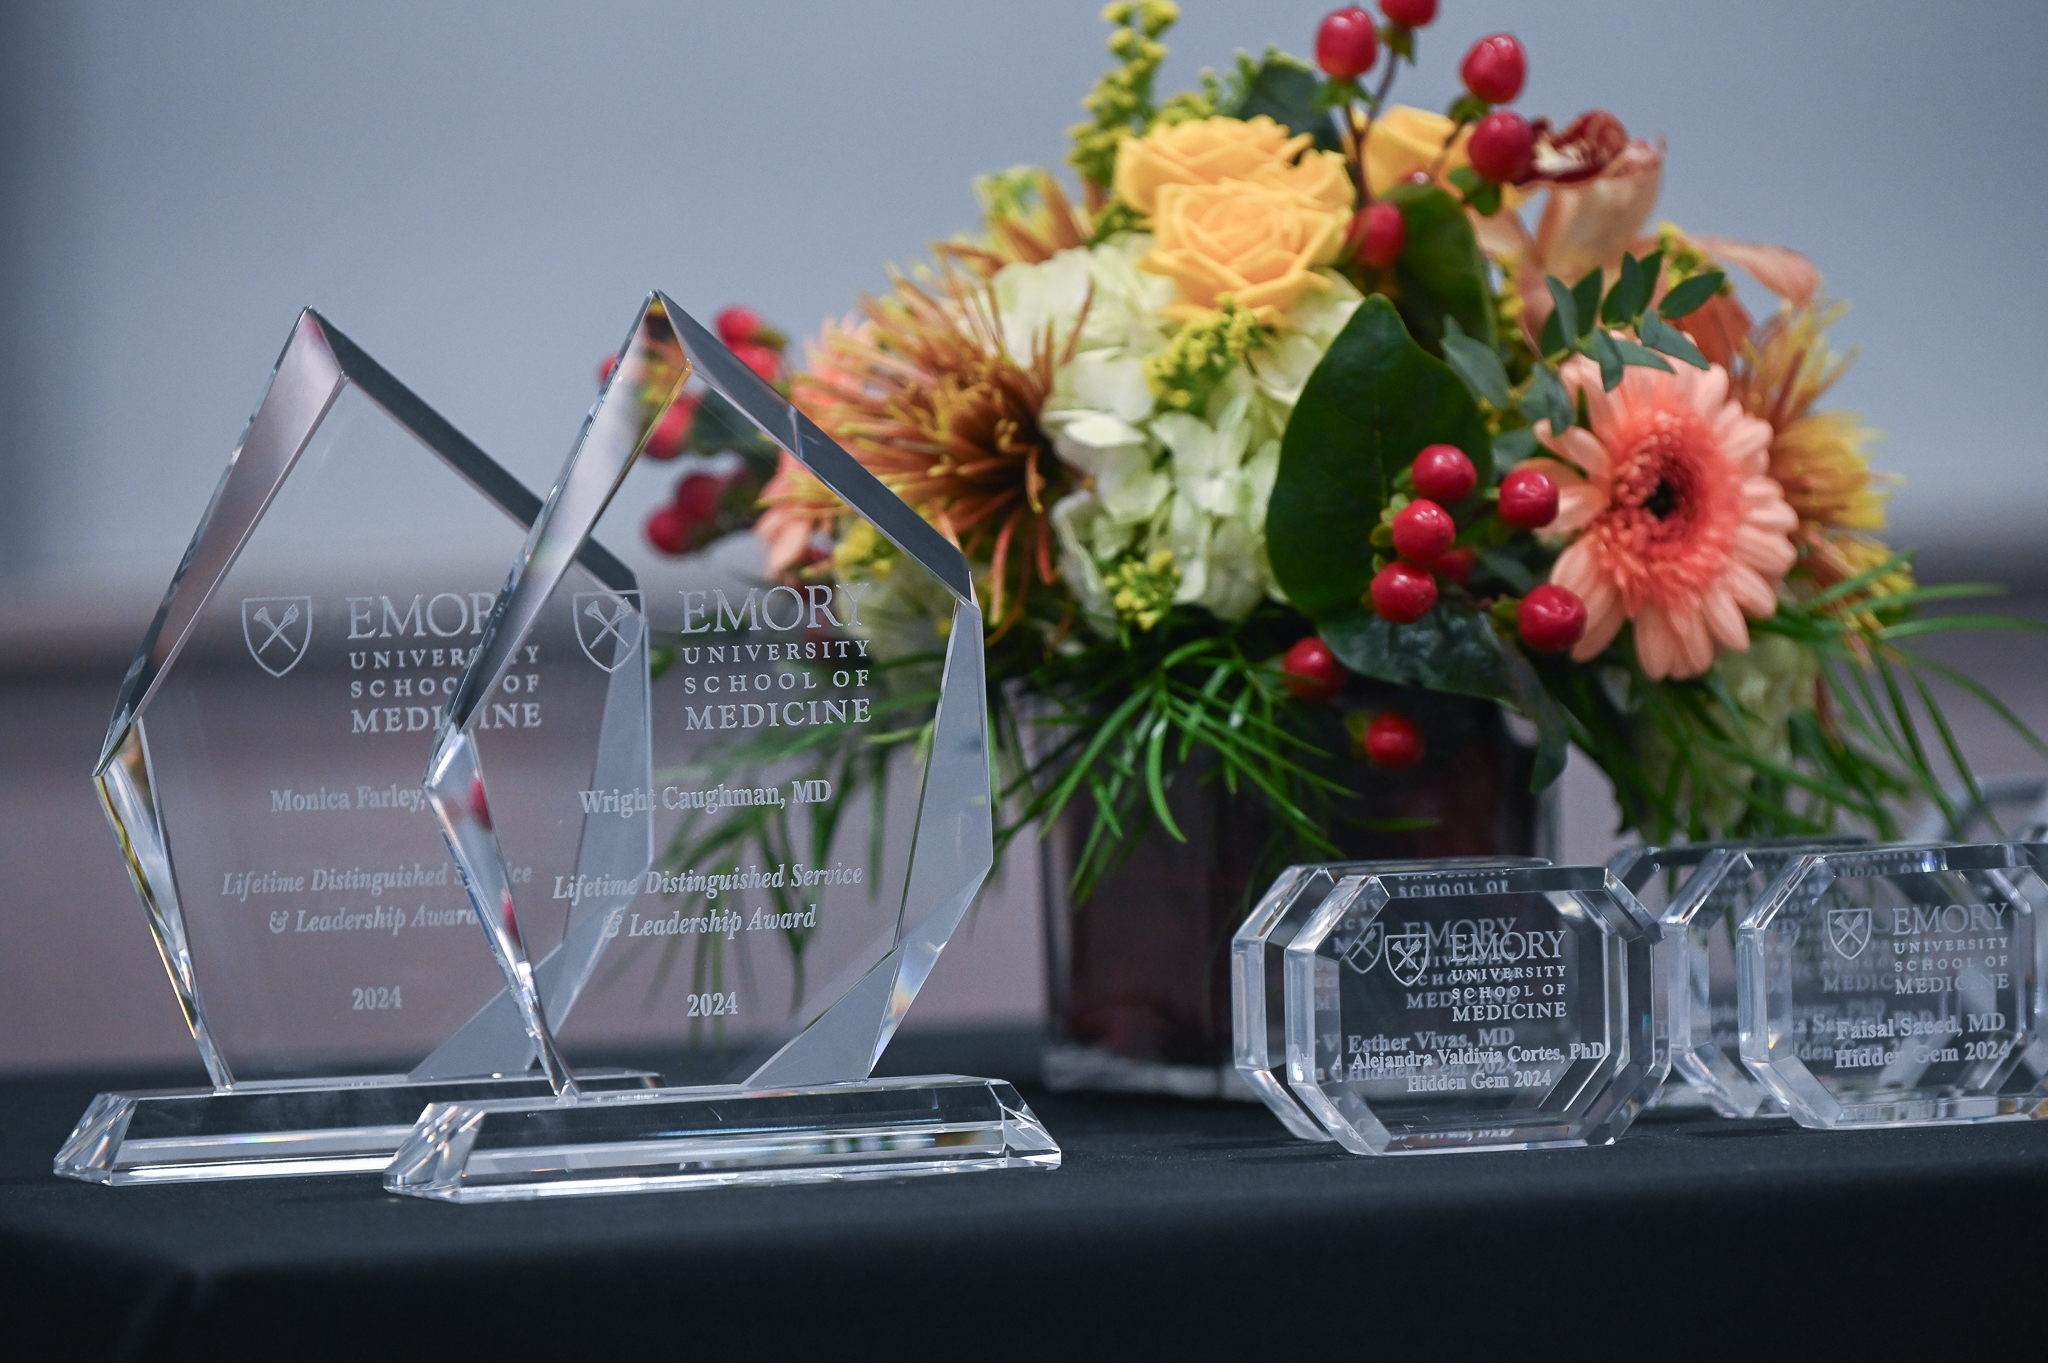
column 1425, row 534
column 1503, row 144
column 705, row 503
column 1348, row 41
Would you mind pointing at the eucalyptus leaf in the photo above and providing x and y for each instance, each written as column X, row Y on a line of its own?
column 1690, row 295
column 1369, row 408
column 1586, row 302
column 1511, row 447
column 1631, row 353
column 1607, row 355
column 1477, row 364
column 1566, row 311
column 1660, row 335
column 1441, row 272
column 1630, row 294
column 1545, row 399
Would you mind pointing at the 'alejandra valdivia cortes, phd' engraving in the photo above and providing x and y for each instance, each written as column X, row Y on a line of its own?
column 1433, row 1010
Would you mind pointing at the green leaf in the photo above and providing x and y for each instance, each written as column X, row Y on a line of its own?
column 1456, row 650
column 1441, row 272
column 1477, row 364
column 1369, row 408
column 1466, row 108
column 1512, row 447
column 1631, row 353
column 1660, row 335
column 1285, row 91
column 1689, row 296
column 1552, row 341
column 1630, row 294
column 1567, row 313
column 1607, row 355
column 1586, row 302
column 1545, row 398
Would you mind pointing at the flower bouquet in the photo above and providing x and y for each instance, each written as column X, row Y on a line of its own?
column 1290, row 458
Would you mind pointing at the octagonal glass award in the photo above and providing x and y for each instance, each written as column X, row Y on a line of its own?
column 261, row 775
column 1473, row 1010
column 821, row 815
column 1900, row 986
column 1700, row 892
column 1258, row 978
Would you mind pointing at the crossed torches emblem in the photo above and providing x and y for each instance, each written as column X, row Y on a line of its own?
column 285, row 635
column 602, row 616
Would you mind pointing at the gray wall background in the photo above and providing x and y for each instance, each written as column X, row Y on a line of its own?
column 481, row 193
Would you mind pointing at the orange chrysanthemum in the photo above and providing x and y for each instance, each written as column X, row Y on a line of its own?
column 1679, row 528
column 926, row 395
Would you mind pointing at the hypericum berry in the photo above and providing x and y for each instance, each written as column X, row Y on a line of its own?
column 1423, row 531
column 1503, row 147
column 737, row 326
column 1443, row 474
column 1393, row 741
column 672, row 432
column 1551, row 619
column 1378, row 232
column 1456, row 565
column 668, row 530
column 697, row 496
column 1528, row 499
column 1312, row 671
column 763, row 360
column 605, row 367
column 1495, row 68
column 1403, row 593
column 1347, row 44
column 1409, row 13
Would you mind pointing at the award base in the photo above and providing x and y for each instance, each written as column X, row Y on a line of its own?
column 678, row 1138
column 276, row 1130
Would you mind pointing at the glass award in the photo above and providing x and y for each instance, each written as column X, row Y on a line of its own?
column 1494, row 1009
column 1700, row 892
column 1899, row 986
column 819, row 812
column 1258, row 978
column 261, row 776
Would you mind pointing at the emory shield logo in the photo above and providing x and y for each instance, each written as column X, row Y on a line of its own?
column 608, row 625
column 1365, row 952
column 277, row 630
column 1849, row 931
column 1408, row 954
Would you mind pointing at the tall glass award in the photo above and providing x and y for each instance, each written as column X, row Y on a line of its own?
column 1482, row 1009
column 780, row 927
column 1258, row 977
column 261, row 775
column 1900, row 986
column 1700, row 892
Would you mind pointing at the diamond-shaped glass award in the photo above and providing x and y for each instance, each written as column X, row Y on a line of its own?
column 261, row 774
column 1474, row 1010
column 821, row 814
column 1700, row 892
column 1258, row 978
column 1900, row 986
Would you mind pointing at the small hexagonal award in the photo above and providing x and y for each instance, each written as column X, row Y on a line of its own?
column 1258, row 978
column 1473, row 1010
column 1900, row 986
column 821, row 814
column 1700, row 892
column 261, row 775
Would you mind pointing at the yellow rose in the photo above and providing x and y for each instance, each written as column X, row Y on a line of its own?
column 1210, row 151
column 1404, row 140
column 1256, row 242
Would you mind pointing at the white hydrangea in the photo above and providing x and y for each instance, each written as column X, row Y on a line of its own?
column 1194, row 483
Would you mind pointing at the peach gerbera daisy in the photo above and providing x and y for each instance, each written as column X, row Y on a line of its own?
column 1678, row 526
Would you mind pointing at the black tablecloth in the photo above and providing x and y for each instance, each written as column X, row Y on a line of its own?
column 1174, row 1228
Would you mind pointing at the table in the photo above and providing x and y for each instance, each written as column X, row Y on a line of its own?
column 1174, row 1227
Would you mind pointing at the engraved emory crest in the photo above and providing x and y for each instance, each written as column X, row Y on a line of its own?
column 1365, row 952
column 1849, row 931
column 1408, row 953
column 277, row 630
column 608, row 625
